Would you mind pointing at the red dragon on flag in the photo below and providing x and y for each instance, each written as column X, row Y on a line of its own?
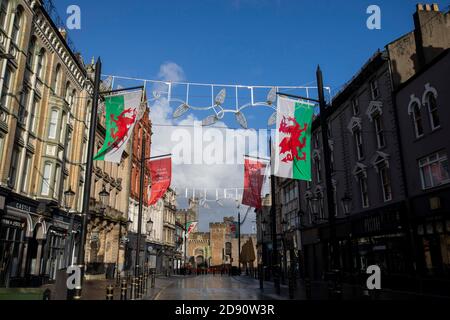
column 292, row 144
column 123, row 123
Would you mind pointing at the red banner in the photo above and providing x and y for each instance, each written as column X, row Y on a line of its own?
column 253, row 182
column 161, row 172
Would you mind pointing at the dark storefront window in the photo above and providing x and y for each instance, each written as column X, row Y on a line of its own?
column 11, row 240
column 56, row 247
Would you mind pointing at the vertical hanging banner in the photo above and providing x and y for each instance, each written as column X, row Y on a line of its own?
column 122, row 113
column 254, row 171
column 292, row 152
column 161, row 173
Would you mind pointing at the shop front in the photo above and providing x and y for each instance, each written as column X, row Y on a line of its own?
column 22, row 236
column 379, row 238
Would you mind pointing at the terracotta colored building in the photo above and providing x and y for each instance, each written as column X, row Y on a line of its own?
column 142, row 130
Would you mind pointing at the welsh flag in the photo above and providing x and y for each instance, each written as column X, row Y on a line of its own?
column 190, row 226
column 292, row 151
column 122, row 113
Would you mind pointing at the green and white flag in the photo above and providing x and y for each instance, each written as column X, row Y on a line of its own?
column 190, row 226
column 292, row 150
column 122, row 113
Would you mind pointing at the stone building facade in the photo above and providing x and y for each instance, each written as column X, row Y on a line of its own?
column 219, row 246
column 372, row 169
column 106, row 228
column 424, row 123
column 44, row 112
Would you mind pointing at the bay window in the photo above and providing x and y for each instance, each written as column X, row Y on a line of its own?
column 364, row 191
column 434, row 170
column 46, row 174
column 53, row 125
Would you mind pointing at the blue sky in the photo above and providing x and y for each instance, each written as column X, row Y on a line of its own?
column 249, row 42
column 244, row 41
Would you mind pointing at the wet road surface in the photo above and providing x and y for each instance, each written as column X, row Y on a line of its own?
column 209, row 287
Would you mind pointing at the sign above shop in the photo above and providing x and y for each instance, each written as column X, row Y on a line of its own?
column 21, row 206
column 13, row 223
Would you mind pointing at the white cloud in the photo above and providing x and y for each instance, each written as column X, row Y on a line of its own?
column 195, row 176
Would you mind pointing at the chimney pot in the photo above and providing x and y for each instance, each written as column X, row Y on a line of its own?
column 427, row 7
column 435, row 7
column 419, row 7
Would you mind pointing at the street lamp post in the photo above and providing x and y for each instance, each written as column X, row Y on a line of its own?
column 261, row 271
column 104, row 199
column 122, row 241
column 87, row 180
column 69, row 196
column 239, row 235
column 273, row 217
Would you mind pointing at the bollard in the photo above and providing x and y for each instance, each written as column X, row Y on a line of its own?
column 134, row 285
column 118, row 278
column 140, row 287
column 110, row 292
column 291, row 287
column 308, row 288
column 47, row 295
column 123, row 290
column 147, row 278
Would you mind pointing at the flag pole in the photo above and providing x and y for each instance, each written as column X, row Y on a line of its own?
column 87, row 184
column 273, row 215
column 137, row 261
column 335, row 263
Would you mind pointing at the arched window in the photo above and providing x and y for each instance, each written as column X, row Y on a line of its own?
column 56, row 85
column 17, row 25
column 67, row 91
column 3, row 13
column 433, row 111
column 40, row 64
column 73, row 97
column 31, row 52
column 417, row 119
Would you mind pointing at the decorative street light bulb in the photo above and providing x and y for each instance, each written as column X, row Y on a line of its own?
column 220, row 98
column 210, row 120
column 272, row 96
column 346, row 204
column 182, row 109
column 240, row 118
column 69, row 196
column 149, row 226
column 104, row 199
